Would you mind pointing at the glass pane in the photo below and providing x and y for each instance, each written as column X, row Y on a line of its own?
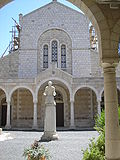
column 45, row 56
column 63, row 56
column 54, row 51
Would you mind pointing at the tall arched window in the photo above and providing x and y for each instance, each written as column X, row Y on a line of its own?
column 54, row 51
column 45, row 56
column 63, row 56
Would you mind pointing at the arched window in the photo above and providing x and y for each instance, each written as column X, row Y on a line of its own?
column 63, row 56
column 54, row 51
column 45, row 56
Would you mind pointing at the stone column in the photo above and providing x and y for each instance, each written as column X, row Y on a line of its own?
column 50, row 114
column 35, row 125
column 72, row 124
column 112, row 131
column 8, row 125
column 99, row 107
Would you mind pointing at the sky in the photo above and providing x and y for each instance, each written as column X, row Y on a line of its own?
column 12, row 10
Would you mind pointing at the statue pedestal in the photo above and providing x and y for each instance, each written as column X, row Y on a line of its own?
column 50, row 123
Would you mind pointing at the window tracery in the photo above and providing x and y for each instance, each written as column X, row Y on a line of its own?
column 54, row 51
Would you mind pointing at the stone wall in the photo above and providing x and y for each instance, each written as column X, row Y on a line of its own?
column 51, row 16
column 96, row 69
column 62, row 38
column 85, row 107
column 81, row 63
column 9, row 66
column 22, row 109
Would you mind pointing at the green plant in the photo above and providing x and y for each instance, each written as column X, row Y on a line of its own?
column 36, row 152
column 96, row 149
column 100, row 122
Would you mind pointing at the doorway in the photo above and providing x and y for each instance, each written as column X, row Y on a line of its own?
column 59, row 109
column 3, row 115
column 60, row 114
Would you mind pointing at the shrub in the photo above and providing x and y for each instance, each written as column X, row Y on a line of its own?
column 36, row 152
column 96, row 149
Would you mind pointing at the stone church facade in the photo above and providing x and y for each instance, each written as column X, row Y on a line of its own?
column 54, row 45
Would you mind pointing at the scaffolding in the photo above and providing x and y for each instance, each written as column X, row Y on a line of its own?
column 15, row 39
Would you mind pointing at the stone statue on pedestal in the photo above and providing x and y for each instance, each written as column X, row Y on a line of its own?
column 49, row 93
column 50, row 114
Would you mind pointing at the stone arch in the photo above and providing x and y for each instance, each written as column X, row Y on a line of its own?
column 102, row 96
column 3, row 106
column 102, row 90
column 86, row 86
column 53, row 28
column 53, row 78
column 85, row 107
column 18, row 87
column 60, row 36
column 116, row 29
column 91, row 10
column 61, row 86
column 22, row 108
column 6, row 94
column 62, row 92
column 115, row 37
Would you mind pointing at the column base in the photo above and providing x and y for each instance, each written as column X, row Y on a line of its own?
column 35, row 127
column 72, row 127
column 8, row 127
column 49, row 136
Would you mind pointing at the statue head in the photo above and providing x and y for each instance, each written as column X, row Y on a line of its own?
column 50, row 83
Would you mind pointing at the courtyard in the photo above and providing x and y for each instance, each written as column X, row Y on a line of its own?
column 68, row 147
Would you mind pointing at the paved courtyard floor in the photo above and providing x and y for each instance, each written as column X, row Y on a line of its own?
column 68, row 147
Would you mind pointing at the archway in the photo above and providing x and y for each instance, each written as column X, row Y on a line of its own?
column 22, row 108
column 85, row 107
column 59, row 109
column 62, row 104
column 3, row 108
column 102, row 99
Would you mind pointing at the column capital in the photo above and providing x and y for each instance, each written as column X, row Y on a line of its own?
column 8, row 101
column 98, row 100
column 35, row 101
column 72, row 101
column 109, row 66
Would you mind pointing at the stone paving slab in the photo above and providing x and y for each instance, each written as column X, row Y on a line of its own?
column 68, row 147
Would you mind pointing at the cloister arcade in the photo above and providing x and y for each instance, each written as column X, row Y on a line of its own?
column 106, row 21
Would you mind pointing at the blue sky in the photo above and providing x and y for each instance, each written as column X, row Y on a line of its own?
column 13, row 9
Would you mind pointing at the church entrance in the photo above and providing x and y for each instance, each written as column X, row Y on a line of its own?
column 60, row 114
column 59, row 109
column 3, row 115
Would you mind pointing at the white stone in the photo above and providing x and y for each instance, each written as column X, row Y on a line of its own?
column 50, row 114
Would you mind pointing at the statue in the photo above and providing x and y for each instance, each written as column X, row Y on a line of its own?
column 50, row 114
column 49, row 93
